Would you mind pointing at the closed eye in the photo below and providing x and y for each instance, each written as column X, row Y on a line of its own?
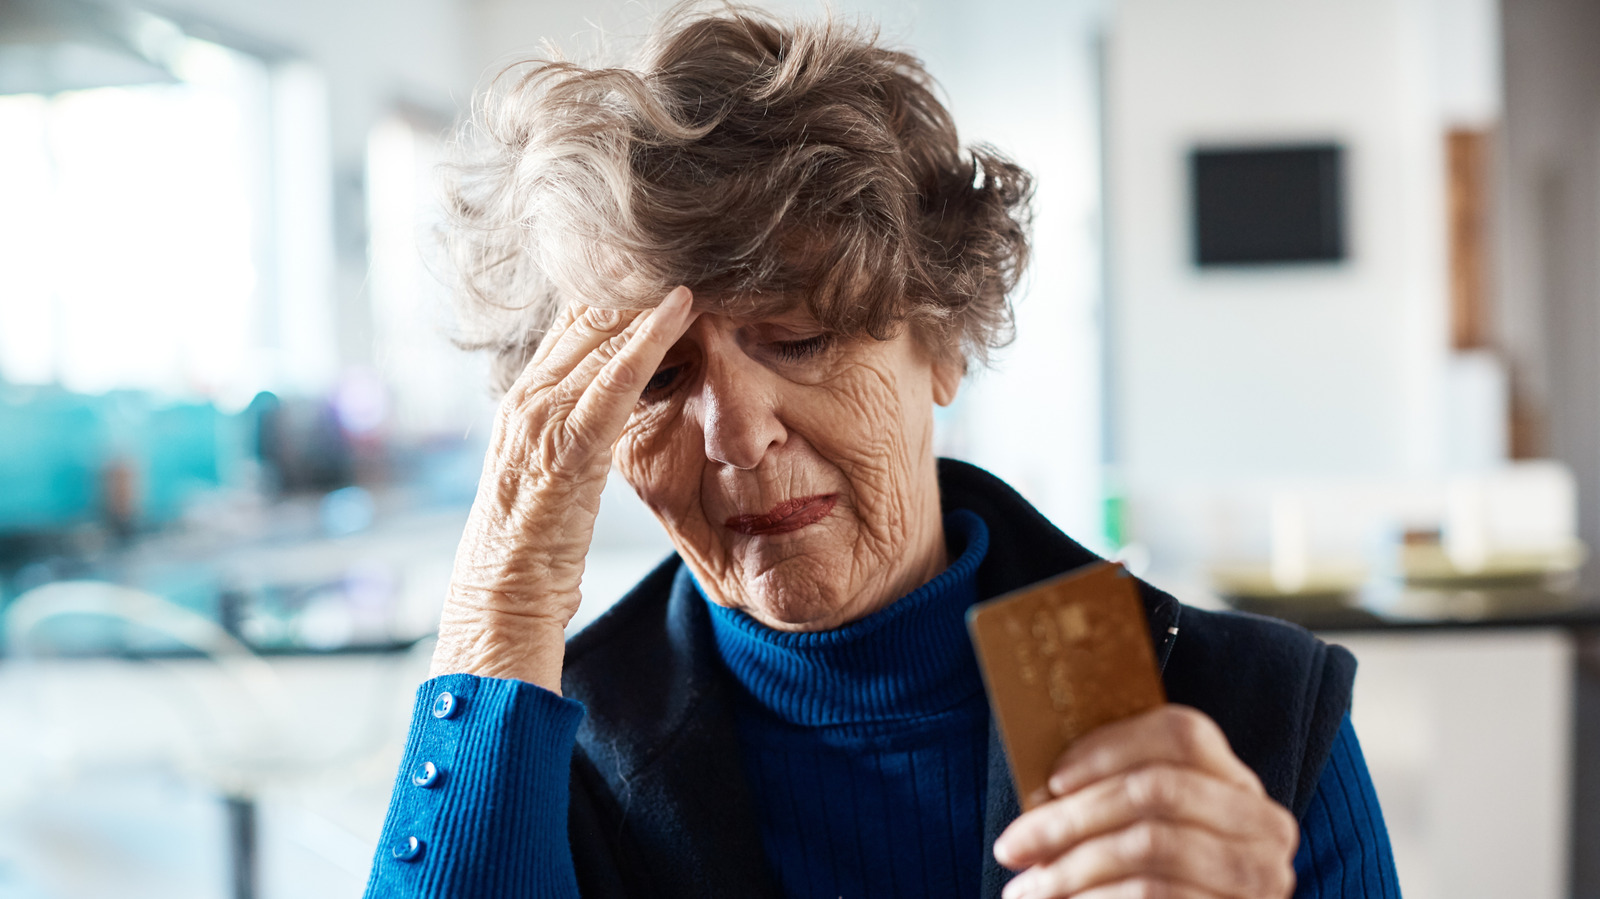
column 661, row 382
column 801, row 350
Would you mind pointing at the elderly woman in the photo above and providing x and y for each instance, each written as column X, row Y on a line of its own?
column 744, row 273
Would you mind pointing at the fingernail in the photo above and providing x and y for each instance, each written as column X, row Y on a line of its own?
column 680, row 296
column 1002, row 851
column 1019, row 887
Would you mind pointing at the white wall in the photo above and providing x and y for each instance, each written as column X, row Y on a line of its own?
column 1024, row 76
column 1318, row 370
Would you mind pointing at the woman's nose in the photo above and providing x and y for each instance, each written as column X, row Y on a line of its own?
column 738, row 418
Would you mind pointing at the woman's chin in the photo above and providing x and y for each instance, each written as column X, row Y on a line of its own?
column 793, row 620
column 793, row 604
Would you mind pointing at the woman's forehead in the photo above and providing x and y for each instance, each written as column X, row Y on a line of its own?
column 768, row 309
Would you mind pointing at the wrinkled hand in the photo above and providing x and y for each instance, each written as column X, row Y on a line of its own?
column 517, row 571
column 1156, row 805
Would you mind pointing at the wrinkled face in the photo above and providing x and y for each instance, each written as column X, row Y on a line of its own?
column 793, row 469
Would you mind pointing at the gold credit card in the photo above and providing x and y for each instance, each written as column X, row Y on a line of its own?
column 1061, row 658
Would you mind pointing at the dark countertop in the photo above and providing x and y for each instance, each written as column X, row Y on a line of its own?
column 1435, row 610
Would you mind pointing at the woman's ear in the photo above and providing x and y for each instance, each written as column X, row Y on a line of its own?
column 948, row 370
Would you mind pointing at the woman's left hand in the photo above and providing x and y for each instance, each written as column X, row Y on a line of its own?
column 1156, row 805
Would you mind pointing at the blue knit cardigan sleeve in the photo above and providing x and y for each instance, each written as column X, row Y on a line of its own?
column 480, row 804
column 1344, row 847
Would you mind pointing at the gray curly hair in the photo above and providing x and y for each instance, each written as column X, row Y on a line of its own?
column 764, row 164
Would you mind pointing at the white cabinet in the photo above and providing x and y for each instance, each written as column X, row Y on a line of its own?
column 1469, row 738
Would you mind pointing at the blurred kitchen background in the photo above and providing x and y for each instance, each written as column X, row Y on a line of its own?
column 1313, row 330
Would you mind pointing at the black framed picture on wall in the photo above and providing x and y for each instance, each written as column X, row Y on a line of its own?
column 1268, row 204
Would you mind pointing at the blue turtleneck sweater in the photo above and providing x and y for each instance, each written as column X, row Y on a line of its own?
column 867, row 745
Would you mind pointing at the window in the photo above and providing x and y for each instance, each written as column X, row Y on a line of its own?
column 164, row 237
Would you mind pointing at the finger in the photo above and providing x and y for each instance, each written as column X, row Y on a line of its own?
column 1171, row 734
column 1172, row 852
column 590, row 328
column 541, row 350
column 1160, row 792
column 564, row 319
column 1143, row 888
column 577, row 381
column 610, row 398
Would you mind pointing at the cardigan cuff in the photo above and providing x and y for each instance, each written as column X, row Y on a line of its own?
column 480, row 803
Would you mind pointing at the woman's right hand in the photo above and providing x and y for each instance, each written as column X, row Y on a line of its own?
column 518, row 567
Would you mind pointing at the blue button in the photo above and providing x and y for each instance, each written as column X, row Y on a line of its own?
column 408, row 849
column 425, row 775
column 445, row 705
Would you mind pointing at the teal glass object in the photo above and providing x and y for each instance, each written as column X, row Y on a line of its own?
column 52, row 449
column 56, row 447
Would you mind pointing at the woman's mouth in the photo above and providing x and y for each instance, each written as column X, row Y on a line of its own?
column 789, row 515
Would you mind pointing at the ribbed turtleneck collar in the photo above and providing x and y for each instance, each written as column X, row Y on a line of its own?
column 909, row 660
